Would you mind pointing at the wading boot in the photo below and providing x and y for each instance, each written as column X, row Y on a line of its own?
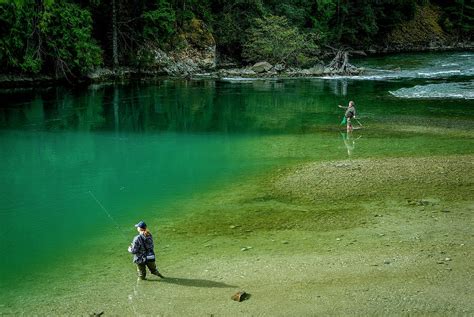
column 158, row 274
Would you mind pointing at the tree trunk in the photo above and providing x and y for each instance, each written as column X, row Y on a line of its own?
column 115, row 54
column 340, row 64
column 345, row 63
column 35, row 43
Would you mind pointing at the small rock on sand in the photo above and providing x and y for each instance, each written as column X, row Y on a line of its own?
column 240, row 296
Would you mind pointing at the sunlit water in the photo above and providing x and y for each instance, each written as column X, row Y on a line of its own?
column 76, row 161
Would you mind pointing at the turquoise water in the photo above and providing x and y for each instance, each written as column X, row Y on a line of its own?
column 80, row 166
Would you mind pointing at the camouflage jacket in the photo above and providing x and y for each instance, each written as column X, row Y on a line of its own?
column 141, row 247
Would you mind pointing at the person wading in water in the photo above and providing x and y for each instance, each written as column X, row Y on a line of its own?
column 143, row 253
column 350, row 113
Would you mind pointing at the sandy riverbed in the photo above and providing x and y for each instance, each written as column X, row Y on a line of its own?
column 302, row 242
column 363, row 237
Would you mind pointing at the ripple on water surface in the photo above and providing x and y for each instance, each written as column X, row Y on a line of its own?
column 420, row 67
column 458, row 90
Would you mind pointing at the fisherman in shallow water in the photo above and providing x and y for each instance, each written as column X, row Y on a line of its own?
column 349, row 115
column 143, row 252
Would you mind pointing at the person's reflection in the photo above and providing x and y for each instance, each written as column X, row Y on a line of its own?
column 349, row 142
column 339, row 87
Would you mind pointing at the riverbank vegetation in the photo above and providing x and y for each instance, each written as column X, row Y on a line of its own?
column 71, row 38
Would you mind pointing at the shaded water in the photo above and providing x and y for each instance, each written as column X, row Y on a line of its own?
column 138, row 148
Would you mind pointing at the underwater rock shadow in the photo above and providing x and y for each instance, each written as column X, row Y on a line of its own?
column 195, row 282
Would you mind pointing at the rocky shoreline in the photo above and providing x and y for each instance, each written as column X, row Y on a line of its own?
column 193, row 64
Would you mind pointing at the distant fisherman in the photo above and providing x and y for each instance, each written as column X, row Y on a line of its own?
column 143, row 252
column 350, row 113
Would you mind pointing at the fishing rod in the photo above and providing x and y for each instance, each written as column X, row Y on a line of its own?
column 359, row 122
column 108, row 214
column 133, row 295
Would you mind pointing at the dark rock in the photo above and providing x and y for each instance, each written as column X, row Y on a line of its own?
column 240, row 296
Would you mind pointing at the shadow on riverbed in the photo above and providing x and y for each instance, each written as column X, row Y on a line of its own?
column 195, row 282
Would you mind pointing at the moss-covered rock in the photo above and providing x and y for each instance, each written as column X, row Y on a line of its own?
column 422, row 31
column 194, row 51
column 197, row 34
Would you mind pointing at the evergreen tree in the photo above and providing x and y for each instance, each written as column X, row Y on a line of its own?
column 232, row 20
column 159, row 21
column 70, row 37
column 458, row 17
column 46, row 36
column 67, row 33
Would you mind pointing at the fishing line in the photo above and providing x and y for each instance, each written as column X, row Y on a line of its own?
column 135, row 288
column 108, row 215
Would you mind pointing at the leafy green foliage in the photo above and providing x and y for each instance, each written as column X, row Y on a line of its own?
column 458, row 17
column 322, row 13
column 17, row 36
column 74, row 36
column 272, row 39
column 67, row 30
column 232, row 19
column 37, row 38
column 160, row 22
column 298, row 12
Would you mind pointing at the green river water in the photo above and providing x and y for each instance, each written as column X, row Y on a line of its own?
column 80, row 166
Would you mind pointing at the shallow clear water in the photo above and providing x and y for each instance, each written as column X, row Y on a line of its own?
column 79, row 166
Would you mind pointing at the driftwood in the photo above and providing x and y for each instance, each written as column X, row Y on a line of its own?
column 340, row 63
